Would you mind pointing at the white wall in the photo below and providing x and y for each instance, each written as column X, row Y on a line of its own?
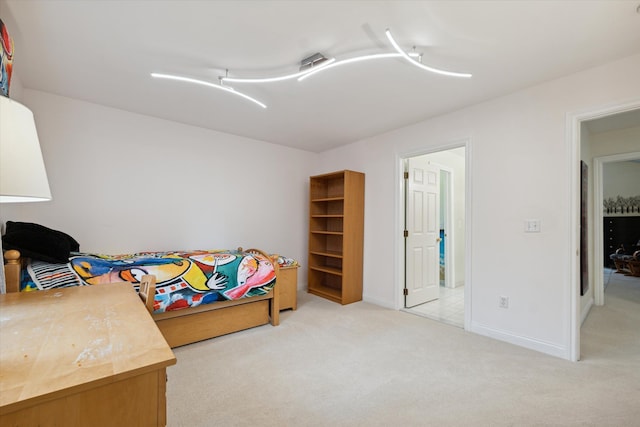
column 519, row 164
column 621, row 179
column 618, row 141
column 125, row 182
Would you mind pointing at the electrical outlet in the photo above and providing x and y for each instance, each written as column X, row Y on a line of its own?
column 503, row 302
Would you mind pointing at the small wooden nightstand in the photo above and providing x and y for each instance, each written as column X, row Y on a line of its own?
column 288, row 286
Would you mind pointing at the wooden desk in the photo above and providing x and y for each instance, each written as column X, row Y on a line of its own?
column 88, row 355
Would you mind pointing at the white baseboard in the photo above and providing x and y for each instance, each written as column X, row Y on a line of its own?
column 365, row 298
column 381, row 303
column 549, row 348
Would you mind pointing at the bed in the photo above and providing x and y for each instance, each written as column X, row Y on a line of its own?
column 199, row 294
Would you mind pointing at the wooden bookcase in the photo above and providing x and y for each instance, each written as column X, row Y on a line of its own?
column 336, row 233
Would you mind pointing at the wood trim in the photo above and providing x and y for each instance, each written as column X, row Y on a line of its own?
column 12, row 270
column 141, row 400
column 208, row 307
column 147, row 290
column 193, row 327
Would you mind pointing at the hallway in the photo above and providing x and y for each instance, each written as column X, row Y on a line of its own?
column 612, row 331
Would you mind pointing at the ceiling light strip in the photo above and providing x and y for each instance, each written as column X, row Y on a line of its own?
column 279, row 78
column 352, row 60
column 420, row 64
column 208, row 84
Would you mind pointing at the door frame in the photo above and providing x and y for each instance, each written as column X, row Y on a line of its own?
column 399, row 264
column 573, row 137
column 449, row 230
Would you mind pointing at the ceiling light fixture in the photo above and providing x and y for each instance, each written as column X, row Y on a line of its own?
column 318, row 62
column 420, row 64
column 352, row 60
column 312, row 65
column 311, row 69
column 311, row 61
column 208, row 84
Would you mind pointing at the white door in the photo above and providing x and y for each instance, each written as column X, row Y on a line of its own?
column 422, row 274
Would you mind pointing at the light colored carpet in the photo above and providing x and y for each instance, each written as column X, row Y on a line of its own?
column 363, row 365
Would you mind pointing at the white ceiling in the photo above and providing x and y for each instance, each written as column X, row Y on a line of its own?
column 104, row 52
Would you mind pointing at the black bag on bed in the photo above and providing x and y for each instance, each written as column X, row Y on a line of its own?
column 39, row 242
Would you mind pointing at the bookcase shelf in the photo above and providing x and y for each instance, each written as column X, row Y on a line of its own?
column 336, row 232
column 329, row 270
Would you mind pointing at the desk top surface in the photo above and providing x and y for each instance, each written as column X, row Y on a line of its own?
column 58, row 342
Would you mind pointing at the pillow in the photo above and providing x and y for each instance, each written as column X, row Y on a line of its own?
column 39, row 242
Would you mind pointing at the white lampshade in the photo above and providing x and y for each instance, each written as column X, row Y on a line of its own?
column 23, row 177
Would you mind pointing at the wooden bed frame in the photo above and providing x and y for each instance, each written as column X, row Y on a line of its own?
column 194, row 324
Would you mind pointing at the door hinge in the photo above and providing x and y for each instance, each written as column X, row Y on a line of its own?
column 406, row 291
column 406, row 175
column 406, row 233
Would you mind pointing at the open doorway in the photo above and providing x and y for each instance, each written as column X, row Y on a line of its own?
column 609, row 144
column 433, row 205
column 615, row 122
column 616, row 218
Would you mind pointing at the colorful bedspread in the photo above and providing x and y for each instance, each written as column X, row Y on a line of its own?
column 183, row 279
